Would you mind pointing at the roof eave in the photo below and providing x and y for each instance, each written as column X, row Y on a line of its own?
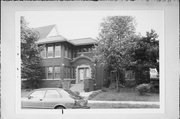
column 84, row 44
column 46, row 42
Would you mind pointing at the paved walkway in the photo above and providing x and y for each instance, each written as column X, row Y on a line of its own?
column 123, row 102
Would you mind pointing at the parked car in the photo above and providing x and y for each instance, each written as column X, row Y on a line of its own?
column 53, row 98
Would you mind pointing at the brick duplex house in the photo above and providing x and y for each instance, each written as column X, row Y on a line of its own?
column 65, row 59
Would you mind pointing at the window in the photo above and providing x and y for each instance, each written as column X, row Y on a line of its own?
column 50, row 52
column 72, row 72
column 43, row 53
column 58, row 51
column 37, row 94
column 84, row 49
column 89, row 49
column 65, row 51
column 65, row 72
column 68, row 72
column 69, row 53
column 57, row 72
column 79, row 50
column 52, row 94
column 50, row 73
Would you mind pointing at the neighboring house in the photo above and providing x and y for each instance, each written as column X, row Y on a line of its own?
column 65, row 59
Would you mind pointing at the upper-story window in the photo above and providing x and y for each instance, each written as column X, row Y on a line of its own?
column 57, row 51
column 50, row 52
column 69, row 53
column 66, row 51
column 84, row 49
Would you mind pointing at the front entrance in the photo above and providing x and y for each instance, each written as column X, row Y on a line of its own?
column 82, row 73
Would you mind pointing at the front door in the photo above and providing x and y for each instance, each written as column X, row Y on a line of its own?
column 83, row 73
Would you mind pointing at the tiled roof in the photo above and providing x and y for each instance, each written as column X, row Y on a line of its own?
column 44, row 31
column 82, row 41
column 52, row 39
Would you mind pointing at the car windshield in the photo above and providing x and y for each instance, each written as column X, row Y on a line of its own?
column 73, row 94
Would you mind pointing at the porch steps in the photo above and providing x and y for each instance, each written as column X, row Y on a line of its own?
column 78, row 87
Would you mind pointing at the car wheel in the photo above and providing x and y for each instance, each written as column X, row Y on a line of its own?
column 60, row 107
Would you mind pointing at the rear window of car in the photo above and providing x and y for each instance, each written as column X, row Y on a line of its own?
column 52, row 94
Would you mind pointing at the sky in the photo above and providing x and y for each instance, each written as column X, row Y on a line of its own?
column 82, row 24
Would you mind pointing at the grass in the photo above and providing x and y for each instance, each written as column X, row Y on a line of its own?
column 125, row 94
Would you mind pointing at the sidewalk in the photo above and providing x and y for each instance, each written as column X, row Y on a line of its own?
column 121, row 104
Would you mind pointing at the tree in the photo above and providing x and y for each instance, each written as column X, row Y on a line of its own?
column 145, row 55
column 31, row 68
column 115, row 39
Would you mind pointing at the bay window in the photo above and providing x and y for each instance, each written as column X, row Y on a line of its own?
column 57, row 51
column 66, row 51
column 57, row 72
column 50, row 72
column 50, row 51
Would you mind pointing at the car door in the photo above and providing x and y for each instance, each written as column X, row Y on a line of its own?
column 52, row 98
column 34, row 100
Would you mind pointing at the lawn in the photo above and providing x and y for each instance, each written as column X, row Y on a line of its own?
column 125, row 94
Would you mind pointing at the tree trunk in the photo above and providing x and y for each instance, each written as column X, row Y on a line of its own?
column 117, row 81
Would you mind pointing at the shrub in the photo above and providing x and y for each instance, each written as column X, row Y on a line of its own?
column 104, row 89
column 143, row 88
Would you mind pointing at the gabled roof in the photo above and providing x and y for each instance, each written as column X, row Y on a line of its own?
column 45, row 38
column 82, row 41
column 44, row 31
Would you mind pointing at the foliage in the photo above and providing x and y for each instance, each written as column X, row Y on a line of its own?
column 143, row 89
column 147, row 50
column 31, row 68
column 115, row 39
column 119, row 48
column 145, row 55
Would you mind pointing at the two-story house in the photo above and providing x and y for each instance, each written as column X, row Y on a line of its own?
column 65, row 59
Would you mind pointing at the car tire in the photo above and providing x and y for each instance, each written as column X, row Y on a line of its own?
column 59, row 107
